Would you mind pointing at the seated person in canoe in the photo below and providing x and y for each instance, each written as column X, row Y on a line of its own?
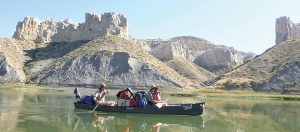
column 154, row 98
column 99, row 96
column 124, row 97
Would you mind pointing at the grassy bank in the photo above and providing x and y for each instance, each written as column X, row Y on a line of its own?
column 229, row 94
column 205, row 92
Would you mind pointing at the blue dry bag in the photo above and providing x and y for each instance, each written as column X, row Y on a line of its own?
column 88, row 100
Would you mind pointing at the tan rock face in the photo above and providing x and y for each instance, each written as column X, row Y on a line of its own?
column 286, row 29
column 66, row 31
column 27, row 30
column 219, row 58
column 169, row 51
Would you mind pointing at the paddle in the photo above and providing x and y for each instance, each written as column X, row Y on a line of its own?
column 101, row 97
column 95, row 108
column 76, row 124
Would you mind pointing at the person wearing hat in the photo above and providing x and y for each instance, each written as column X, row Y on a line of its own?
column 99, row 96
column 153, row 96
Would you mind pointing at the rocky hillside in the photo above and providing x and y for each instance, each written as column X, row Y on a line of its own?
column 185, row 46
column 191, row 71
column 286, row 29
column 66, row 31
column 106, row 59
column 98, row 50
column 276, row 70
column 12, row 58
column 194, row 44
column 214, row 58
column 101, row 50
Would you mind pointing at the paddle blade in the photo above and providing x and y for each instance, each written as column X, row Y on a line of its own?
column 159, row 105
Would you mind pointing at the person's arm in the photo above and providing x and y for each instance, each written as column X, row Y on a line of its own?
column 95, row 97
column 102, row 95
column 150, row 97
column 158, row 97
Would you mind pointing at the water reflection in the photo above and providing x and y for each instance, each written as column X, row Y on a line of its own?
column 252, row 115
column 9, row 102
column 135, row 122
column 53, row 110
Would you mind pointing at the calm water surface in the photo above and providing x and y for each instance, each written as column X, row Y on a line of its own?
column 51, row 110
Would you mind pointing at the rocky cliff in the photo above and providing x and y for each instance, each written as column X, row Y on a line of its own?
column 247, row 56
column 182, row 46
column 169, row 51
column 62, row 54
column 66, row 31
column 214, row 58
column 100, row 50
column 109, row 59
column 286, row 29
column 219, row 59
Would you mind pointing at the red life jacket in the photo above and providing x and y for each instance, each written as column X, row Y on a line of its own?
column 132, row 103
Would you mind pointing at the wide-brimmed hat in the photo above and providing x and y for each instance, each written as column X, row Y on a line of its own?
column 103, row 85
column 130, row 90
column 153, row 87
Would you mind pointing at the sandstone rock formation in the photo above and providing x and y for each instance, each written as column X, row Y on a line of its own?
column 193, row 43
column 106, row 59
column 214, row 58
column 219, row 58
column 169, row 51
column 286, row 29
column 183, row 46
column 247, row 56
column 66, row 31
column 194, row 46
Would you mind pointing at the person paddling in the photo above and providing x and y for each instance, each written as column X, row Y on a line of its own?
column 99, row 96
column 154, row 98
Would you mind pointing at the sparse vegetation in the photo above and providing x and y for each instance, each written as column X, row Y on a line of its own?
column 264, row 66
column 220, row 93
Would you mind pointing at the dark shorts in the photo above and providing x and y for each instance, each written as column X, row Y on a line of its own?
column 150, row 103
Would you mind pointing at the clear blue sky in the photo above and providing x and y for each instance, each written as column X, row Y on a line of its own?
column 246, row 25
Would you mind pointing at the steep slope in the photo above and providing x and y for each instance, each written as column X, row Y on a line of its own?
column 197, row 74
column 12, row 58
column 111, row 60
column 276, row 70
column 286, row 29
column 194, row 44
column 8, row 73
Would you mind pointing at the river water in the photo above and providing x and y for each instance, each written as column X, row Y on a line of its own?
column 52, row 110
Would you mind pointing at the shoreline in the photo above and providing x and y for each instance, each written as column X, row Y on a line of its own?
column 191, row 92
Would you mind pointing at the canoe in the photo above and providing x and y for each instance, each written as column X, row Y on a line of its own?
column 170, row 109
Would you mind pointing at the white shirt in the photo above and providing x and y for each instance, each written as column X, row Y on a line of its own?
column 100, row 95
